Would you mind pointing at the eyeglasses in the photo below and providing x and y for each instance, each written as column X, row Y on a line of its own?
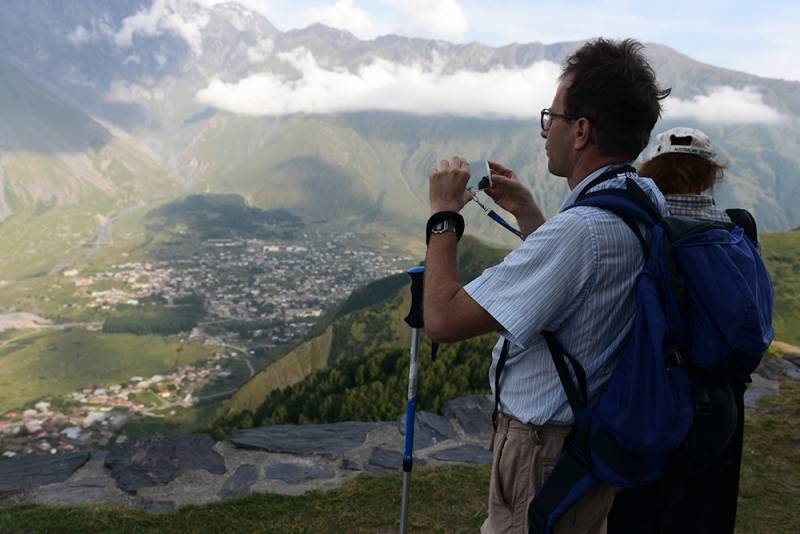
column 548, row 116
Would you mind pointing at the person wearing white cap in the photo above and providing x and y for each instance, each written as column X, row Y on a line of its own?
column 683, row 167
column 699, row 494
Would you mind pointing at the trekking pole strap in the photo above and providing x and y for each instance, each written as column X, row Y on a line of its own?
column 414, row 317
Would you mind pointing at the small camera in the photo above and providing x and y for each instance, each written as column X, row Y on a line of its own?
column 480, row 177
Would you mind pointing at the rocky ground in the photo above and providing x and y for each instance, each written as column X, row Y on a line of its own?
column 160, row 474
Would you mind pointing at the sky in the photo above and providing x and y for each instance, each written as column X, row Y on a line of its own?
column 755, row 37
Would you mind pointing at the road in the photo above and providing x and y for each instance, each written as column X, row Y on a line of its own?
column 241, row 354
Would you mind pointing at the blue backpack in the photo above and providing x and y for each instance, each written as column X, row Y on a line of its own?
column 703, row 309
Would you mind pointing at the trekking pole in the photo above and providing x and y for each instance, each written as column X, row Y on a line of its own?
column 414, row 320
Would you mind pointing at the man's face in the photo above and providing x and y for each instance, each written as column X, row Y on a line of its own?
column 559, row 139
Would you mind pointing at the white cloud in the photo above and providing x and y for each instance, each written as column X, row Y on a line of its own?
column 80, row 35
column 723, row 105
column 161, row 17
column 344, row 15
column 440, row 19
column 261, row 51
column 259, row 6
column 387, row 86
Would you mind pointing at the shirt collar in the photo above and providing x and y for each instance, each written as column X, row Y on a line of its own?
column 573, row 195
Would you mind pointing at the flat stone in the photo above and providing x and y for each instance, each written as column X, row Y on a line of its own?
column 383, row 460
column 158, row 461
column 28, row 471
column 759, row 382
column 474, row 415
column 429, row 429
column 759, row 388
column 773, row 368
column 789, row 368
column 240, row 482
column 753, row 395
column 465, row 454
column 329, row 439
column 351, row 465
column 298, row 474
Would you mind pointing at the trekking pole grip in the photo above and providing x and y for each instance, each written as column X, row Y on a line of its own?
column 414, row 317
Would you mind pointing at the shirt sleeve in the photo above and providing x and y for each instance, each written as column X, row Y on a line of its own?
column 541, row 283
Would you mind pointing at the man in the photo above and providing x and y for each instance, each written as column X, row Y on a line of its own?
column 573, row 275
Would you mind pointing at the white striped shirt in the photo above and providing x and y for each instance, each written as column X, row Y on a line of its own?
column 574, row 275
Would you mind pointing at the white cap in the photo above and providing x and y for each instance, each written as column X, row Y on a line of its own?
column 684, row 141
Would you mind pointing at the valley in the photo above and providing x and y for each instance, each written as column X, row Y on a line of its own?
column 91, row 351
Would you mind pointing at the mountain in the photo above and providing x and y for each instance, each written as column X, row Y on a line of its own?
column 174, row 93
column 64, row 176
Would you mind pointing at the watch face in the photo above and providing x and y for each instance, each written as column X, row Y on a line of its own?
column 443, row 226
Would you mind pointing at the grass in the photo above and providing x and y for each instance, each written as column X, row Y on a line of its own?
column 50, row 364
column 185, row 421
column 366, row 504
column 443, row 499
column 781, row 253
column 769, row 495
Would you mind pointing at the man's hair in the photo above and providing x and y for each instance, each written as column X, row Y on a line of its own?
column 614, row 87
column 682, row 174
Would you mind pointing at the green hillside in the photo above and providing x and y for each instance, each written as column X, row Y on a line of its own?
column 365, row 167
column 36, row 365
column 781, row 253
column 221, row 217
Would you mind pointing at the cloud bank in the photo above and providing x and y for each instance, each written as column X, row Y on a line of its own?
column 386, row 86
column 344, row 15
column 724, row 105
column 438, row 19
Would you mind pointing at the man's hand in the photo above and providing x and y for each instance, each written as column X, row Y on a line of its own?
column 448, row 185
column 515, row 197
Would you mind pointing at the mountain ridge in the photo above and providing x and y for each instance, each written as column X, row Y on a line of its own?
column 362, row 166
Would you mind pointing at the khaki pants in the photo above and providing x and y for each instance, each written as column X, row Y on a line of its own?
column 524, row 456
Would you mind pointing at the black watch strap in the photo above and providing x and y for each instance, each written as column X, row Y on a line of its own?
column 441, row 216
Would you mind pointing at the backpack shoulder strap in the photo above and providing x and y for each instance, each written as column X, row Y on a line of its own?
column 631, row 204
column 744, row 220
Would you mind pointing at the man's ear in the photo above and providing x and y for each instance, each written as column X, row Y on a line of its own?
column 584, row 133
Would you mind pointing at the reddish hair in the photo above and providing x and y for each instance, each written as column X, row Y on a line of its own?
column 682, row 174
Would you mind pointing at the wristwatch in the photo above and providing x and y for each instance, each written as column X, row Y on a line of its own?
column 443, row 222
column 444, row 226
